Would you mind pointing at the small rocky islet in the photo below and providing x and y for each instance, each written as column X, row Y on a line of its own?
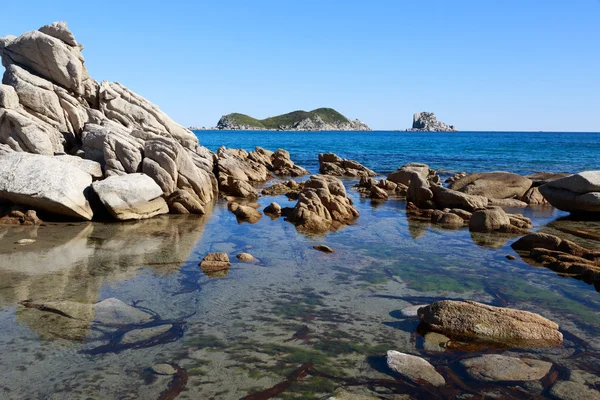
column 73, row 149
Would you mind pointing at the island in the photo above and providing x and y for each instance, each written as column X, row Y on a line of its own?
column 427, row 122
column 321, row 119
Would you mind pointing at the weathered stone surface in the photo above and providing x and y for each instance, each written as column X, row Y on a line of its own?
column 163, row 369
column 237, row 172
column 113, row 311
column 451, row 220
column 91, row 167
column 49, row 57
column 419, row 192
column 131, row 196
column 144, row 334
column 414, row 368
column 499, row 368
column 24, row 132
column 174, row 167
column 46, row 184
column 537, row 240
column 215, row 262
column 331, row 164
column 18, row 215
column 284, row 166
column 534, row 197
column 468, row 320
column 378, row 194
column 578, row 193
column 540, row 178
column 8, row 97
column 507, row 203
column 403, row 174
column 134, row 112
column 182, row 201
column 448, row 198
column 494, row 219
column 495, row 185
column 323, row 205
column 247, row 214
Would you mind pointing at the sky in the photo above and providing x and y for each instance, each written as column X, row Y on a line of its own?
column 482, row 65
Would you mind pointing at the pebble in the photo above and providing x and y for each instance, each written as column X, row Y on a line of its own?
column 245, row 257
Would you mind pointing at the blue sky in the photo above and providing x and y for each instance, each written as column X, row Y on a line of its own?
column 481, row 64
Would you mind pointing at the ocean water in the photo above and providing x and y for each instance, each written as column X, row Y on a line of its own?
column 238, row 333
column 385, row 151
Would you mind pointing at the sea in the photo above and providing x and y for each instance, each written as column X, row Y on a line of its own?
column 123, row 311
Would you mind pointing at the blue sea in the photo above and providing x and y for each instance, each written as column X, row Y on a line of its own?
column 386, row 151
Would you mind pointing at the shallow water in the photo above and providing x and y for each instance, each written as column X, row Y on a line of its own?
column 248, row 329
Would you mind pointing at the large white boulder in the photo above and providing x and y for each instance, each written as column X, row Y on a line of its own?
column 131, row 196
column 45, row 183
column 578, row 193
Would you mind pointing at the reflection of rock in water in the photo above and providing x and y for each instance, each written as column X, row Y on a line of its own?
column 493, row 240
column 416, row 227
column 71, row 262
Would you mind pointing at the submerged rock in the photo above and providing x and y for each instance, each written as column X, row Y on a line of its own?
column 163, row 369
column 135, row 336
column 324, row 249
column 468, row 320
column 414, row 368
column 570, row 390
column 499, row 368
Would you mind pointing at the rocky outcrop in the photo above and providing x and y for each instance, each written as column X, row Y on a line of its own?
column 331, row 164
column 579, row 193
column 503, row 327
column 282, row 165
column 560, row 255
column 322, row 205
column 493, row 185
column 44, row 183
column 237, row 173
column 427, row 122
column 496, row 220
column 49, row 105
column 404, row 173
column 380, row 190
column 131, row 196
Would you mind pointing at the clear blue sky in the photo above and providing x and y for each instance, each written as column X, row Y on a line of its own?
column 478, row 64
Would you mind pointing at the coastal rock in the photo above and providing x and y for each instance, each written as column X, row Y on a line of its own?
column 534, row 197
column 215, row 262
column 183, row 201
column 245, row 257
column 273, row 208
column 562, row 256
column 331, row 164
column 495, row 219
column 237, row 172
column 131, row 196
column 46, row 184
column 414, row 368
column 262, row 156
column 494, row 185
column 247, row 214
column 541, row 178
column 451, row 220
column 91, row 167
column 448, row 198
column 471, row 321
column 579, row 193
column 284, row 166
column 18, row 215
column 499, row 368
column 427, row 122
column 322, row 205
column 507, row 203
column 404, row 173
column 174, row 167
column 419, row 192
column 24, row 133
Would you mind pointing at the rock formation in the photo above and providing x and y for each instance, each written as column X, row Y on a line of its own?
column 322, row 205
column 493, row 185
column 427, row 122
column 579, row 193
column 331, row 164
column 51, row 107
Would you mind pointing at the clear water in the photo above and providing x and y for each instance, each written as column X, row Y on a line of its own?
column 233, row 333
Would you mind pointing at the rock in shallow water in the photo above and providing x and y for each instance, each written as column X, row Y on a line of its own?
column 215, row 262
column 245, row 257
column 324, row 249
column 414, row 368
column 503, row 327
column 163, row 369
column 579, row 193
column 498, row 368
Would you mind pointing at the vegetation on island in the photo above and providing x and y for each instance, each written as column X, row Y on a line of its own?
column 328, row 115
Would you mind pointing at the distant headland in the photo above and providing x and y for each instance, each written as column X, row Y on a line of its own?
column 321, row 119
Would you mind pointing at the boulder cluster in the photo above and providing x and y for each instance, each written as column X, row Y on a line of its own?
column 332, row 164
column 68, row 143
